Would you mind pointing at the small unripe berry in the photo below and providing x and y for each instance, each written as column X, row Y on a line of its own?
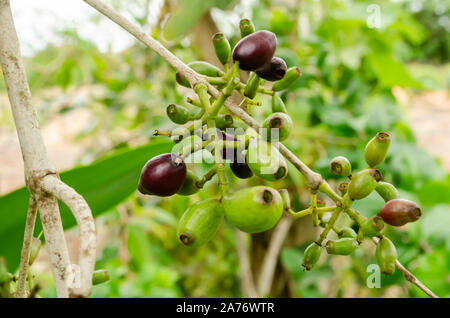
column 278, row 105
column 343, row 187
column 265, row 161
column 221, row 47
column 347, row 232
column 311, row 256
column 377, row 149
column 178, row 114
column 291, row 76
column 363, row 183
column 372, row 226
column 398, row 212
column 246, row 27
column 251, row 88
column 200, row 222
column 387, row 191
column 343, row 246
column 189, row 186
column 100, row 276
column 280, row 122
column 386, row 255
column 201, row 67
column 341, row 166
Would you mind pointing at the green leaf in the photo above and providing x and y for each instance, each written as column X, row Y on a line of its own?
column 187, row 14
column 103, row 184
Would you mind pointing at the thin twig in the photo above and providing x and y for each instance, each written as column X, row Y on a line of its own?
column 245, row 272
column 21, row 291
column 271, row 257
column 314, row 179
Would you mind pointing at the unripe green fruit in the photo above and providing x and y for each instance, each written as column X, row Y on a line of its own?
column 343, row 187
column 377, row 149
column 279, row 121
column 398, row 212
column 347, row 232
column 372, row 226
column 341, row 166
column 189, row 186
column 35, row 247
column 200, row 222
column 251, row 88
column 100, row 276
column 246, row 27
column 363, row 183
column 387, row 191
column 291, row 76
column 311, row 256
column 278, row 105
column 187, row 143
column 221, row 47
column 343, row 246
column 386, row 255
column 224, row 121
column 201, row 67
column 265, row 161
column 253, row 210
column 178, row 114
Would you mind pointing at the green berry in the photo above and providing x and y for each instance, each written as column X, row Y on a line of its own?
column 372, row 226
column 278, row 105
column 343, row 246
column 363, row 183
column 341, row 166
column 200, row 222
column 347, row 232
column 311, row 256
column 189, row 186
column 178, row 114
column 377, row 149
column 246, row 27
column 253, row 210
column 386, row 255
column 224, row 121
column 387, row 191
column 191, row 142
column 265, row 160
column 251, row 88
column 100, row 276
column 277, row 122
column 221, row 47
column 343, row 187
column 292, row 74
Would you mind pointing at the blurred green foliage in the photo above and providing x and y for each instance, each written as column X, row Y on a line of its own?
column 343, row 99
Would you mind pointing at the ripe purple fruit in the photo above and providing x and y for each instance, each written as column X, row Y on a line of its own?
column 398, row 212
column 255, row 50
column 162, row 175
column 240, row 167
column 274, row 70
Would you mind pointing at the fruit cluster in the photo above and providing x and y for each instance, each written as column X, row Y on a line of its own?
column 206, row 133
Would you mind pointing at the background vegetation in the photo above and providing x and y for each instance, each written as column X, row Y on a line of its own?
column 345, row 96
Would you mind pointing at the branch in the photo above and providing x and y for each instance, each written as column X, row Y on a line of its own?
column 314, row 179
column 37, row 165
column 410, row 277
column 270, row 259
column 245, row 272
column 86, row 230
column 21, row 291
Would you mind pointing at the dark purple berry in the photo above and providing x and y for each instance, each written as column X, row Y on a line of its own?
column 162, row 175
column 274, row 70
column 255, row 50
column 240, row 167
